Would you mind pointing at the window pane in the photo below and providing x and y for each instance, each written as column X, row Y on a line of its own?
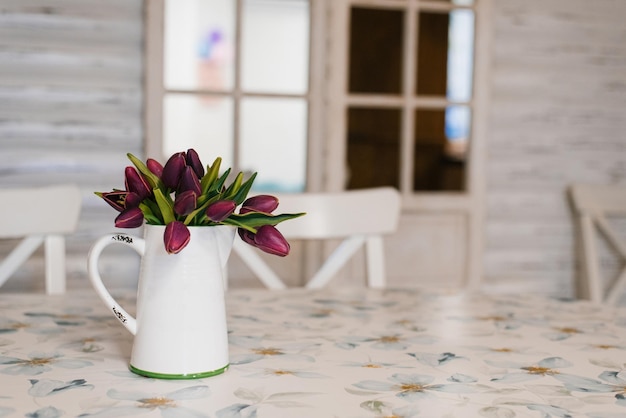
column 432, row 53
column 373, row 147
column 445, row 54
column 441, row 140
column 273, row 142
column 461, row 55
column 275, row 46
column 199, row 41
column 376, row 45
column 458, row 119
column 204, row 123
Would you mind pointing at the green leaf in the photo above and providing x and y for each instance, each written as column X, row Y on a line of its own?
column 166, row 206
column 211, row 175
column 234, row 187
column 143, row 169
column 201, row 208
column 235, row 222
column 149, row 215
column 257, row 219
column 241, row 195
column 217, row 186
column 154, row 208
column 211, row 196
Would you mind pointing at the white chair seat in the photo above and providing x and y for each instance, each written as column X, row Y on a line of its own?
column 358, row 217
column 39, row 216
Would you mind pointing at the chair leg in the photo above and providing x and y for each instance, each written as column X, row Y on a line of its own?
column 594, row 290
column 17, row 257
column 55, row 264
column 617, row 290
column 335, row 261
column 375, row 262
column 258, row 265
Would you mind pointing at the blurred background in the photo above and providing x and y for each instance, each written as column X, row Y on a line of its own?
column 481, row 112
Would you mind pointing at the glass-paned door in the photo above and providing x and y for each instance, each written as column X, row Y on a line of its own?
column 410, row 76
column 235, row 84
column 409, row 112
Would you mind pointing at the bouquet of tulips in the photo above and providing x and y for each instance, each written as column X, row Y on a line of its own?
column 182, row 194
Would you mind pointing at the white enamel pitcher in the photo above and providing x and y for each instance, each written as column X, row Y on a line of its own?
column 180, row 330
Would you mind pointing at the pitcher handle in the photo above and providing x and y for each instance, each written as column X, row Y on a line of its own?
column 139, row 245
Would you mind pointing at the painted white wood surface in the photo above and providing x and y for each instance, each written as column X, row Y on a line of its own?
column 70, row 109
column 557, row 117
column 36, row 227
column 345, row 216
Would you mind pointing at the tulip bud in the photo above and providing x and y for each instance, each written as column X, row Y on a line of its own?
column 185, row 202
column 132, row 200
column 189, row 181
column 115, row 198
column 129, row 218
column 176, row 237
column 136, row 183
column 246, row 236
column 270, row 240
column 173, row 170
column 261, row 203
column 155, row 167
column 193, row 160
column 220, row 210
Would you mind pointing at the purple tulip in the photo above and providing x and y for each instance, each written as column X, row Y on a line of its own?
column 261, row 203
column 189, row 181
column 176, row 237
column 116, row 199
column 155, row 167
column 173, row 170
column 246, row 236
column 132, row 200
column 193, row 160
column 129, row 218
column 136, row 183
column 220, row 210
column 185, row 202
column 270, row 240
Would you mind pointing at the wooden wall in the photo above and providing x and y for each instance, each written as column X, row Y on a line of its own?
column 71, row 102
column 558, row 115
column 70, row 107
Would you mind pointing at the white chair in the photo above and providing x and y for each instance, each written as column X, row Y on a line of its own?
column 592, row 203
column 358, row 217
column 39, row 216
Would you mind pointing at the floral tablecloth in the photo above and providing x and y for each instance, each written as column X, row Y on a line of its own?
column 330, row 353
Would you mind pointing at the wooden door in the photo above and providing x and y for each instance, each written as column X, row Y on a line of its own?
column 406, row 109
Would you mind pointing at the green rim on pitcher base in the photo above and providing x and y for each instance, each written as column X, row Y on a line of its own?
column 177, row 376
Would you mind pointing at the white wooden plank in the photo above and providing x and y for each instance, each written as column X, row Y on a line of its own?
column 109, row 9
column 558, row 94
column 35, row 32
column 70, row 108
column 58, row 69
column 63, row 107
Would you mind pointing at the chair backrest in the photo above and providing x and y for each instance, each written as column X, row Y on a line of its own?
column 41, row 215
column 592, row 203
column 359, row 217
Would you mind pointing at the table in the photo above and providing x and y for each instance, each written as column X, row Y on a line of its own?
column 327, row 353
